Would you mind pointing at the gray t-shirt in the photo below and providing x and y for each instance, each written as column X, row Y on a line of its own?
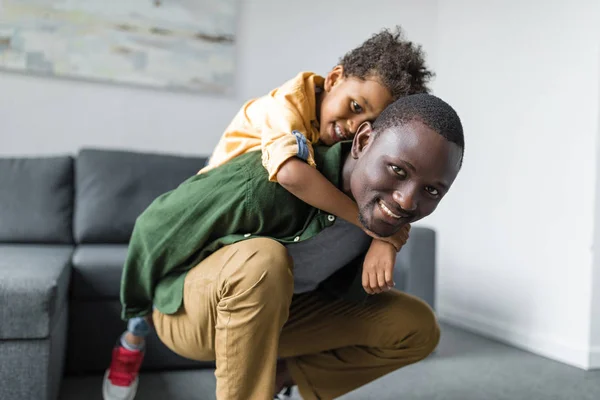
column 319, row 257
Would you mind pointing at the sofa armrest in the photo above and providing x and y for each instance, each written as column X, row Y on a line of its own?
column 414, row 272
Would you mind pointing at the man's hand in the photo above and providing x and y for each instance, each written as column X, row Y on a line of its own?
column 378, row 267
column 399, row 238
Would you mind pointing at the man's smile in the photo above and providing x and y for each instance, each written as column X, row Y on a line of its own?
column 391, row 215
column 387, row 210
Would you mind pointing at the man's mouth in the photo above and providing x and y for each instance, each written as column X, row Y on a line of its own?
column 387, row 211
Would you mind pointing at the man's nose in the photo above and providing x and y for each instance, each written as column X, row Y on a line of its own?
column 406, row 199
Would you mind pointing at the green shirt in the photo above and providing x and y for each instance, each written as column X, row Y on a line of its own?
column 208, row 211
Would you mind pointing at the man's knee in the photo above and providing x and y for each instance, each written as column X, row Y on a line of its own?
column 423, row 328
column 263, row 267
column 429, row 335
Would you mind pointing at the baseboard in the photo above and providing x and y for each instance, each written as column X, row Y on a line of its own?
column 595, row 358
column 530, row 341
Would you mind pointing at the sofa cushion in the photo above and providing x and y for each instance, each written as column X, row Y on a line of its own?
column 114, row 187
column 97, row 271
column 34, row 281
column 36, row 200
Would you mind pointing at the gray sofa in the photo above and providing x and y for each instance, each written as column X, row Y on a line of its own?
column 64, row 226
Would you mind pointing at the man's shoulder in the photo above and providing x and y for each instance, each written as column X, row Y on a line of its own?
column 250, row 161
column 251, row 164
column 231, row 175
column 247, row 170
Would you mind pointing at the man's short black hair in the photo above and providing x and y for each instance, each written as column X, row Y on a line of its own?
column 430, row 110
column 397, row 63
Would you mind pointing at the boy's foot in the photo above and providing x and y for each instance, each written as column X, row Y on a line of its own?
column 121, row 378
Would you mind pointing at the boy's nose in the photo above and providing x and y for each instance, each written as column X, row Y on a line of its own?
column 351, row 126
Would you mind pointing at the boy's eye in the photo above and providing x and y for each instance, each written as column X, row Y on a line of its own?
column 399, row 171
column 355, row 107
column 432, row 191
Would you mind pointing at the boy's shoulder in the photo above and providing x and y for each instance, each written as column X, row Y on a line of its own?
column 300, row 83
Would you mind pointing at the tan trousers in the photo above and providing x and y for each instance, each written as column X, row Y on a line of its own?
column 235, row 310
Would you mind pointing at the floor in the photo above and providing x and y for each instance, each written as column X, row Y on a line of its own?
column 464, row 367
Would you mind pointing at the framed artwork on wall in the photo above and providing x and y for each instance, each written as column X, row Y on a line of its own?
column 184, row 45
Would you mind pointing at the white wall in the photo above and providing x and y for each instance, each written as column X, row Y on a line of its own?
column 595, row 281
column 515, row 241
column 276, row 40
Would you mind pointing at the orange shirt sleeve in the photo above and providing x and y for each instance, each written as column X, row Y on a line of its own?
column 284, row 118
column 279, row 124
column 285, row 134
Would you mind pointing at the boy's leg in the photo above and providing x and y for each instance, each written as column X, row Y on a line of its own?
column 134, row 337
column 235, row 303
column 333, row 346
column 121, row 378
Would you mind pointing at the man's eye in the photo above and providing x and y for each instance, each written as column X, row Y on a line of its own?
column 399, row 171
column 356, row 108
column 432, row 191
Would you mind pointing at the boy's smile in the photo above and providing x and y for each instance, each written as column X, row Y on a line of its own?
column 346, row 103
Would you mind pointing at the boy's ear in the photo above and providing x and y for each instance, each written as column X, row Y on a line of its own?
column 334, row 77
column 362, row 139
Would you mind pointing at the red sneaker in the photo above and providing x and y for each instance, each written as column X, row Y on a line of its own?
column 121, row 378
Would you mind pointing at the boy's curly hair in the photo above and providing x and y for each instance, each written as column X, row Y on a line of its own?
column 397, row 63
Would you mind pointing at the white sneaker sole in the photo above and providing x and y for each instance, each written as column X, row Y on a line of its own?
column 111, row 392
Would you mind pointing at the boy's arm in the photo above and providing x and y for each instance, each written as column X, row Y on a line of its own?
column 378, row 267
column 310, row 186
column 284, row 136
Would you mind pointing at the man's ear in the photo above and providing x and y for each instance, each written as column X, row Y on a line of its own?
column 361, row 139
column 334, row 77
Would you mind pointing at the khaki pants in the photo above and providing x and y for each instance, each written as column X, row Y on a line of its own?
column 238, row 309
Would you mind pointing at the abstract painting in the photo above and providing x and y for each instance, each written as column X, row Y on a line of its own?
column 168, row 44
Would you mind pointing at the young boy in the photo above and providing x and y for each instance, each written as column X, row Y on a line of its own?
column 284, row 125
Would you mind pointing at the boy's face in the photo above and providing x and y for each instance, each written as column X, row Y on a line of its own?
column 402, row 175
column 347, row 102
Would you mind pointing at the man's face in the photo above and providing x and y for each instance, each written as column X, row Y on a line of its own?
column 401, row 176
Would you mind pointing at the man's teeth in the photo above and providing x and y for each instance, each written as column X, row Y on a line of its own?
column 388, row 211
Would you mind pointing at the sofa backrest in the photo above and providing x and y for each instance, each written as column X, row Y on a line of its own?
column 113, row 187
column 36, row 200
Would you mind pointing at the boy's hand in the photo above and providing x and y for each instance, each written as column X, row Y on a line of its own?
column 378, row 267
column 399, row 238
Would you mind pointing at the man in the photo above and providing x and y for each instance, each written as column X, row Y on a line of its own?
column 240, row 271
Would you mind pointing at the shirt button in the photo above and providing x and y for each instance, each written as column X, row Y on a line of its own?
column 297, row 238
column 331, row 218
column 247, row 235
